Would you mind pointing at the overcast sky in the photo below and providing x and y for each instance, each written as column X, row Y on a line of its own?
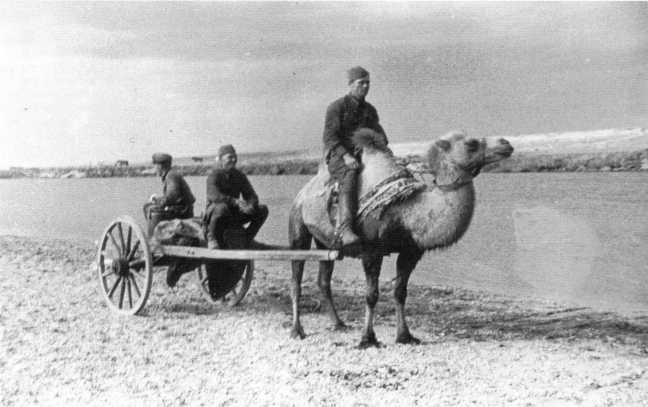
column 89, row 82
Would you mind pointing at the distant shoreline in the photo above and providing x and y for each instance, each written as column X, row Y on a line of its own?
column 607, row 150
column 519, row 162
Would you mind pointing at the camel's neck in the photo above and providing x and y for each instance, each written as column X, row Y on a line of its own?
column 438, row 218
column 434, row 218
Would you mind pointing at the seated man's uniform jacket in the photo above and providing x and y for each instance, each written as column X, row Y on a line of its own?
column 226, row 186
column 177, row 195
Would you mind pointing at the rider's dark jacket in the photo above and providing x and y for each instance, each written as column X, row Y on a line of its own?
column 344, row 116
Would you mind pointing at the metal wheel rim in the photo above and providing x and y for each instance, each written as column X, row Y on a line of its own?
column 124, row 242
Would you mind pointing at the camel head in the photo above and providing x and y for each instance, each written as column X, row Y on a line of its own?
column 456, row 158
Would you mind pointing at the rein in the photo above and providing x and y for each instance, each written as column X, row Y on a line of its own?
column 454, row 185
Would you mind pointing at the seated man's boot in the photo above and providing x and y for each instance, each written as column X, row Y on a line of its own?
column 346, row 215
column 256, row 221
column 152, row 221
column 173, row 274
column 212, row 243
column 215, row 220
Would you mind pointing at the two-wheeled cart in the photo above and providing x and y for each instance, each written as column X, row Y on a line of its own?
column 127, row 261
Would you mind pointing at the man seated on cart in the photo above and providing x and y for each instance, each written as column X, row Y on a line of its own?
column 231, row 201
column 176, row 201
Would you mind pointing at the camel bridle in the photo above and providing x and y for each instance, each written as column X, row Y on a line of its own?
column 468, row 171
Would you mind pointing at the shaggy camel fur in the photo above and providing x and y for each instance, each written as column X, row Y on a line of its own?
column 430, row 219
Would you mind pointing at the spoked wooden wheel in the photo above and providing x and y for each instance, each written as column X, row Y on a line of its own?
column 125, row 266
column 236, row 295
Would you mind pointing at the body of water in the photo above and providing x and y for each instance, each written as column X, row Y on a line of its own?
column 579, row 238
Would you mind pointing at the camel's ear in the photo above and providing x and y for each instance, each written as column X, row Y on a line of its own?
column 443, row 144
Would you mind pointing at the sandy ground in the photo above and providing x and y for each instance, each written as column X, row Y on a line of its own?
column 60, row 345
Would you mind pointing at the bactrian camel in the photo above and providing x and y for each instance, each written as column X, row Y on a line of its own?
column 428, row 219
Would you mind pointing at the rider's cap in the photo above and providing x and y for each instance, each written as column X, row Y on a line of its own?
column 226, row 149
column 161, row 158
column 357, row 72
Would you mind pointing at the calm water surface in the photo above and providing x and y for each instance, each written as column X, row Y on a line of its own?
column 577, row 238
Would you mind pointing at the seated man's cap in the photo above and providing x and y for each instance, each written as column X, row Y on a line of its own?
column 226, row 149
column 161, row 158
column 357, row 72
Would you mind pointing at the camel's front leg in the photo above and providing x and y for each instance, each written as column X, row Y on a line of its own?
column 404, row 266
column 295, row 293
column 371, row 266
column 324, row 282
column 299, row 238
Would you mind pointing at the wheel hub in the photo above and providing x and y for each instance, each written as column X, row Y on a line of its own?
column 121, row 267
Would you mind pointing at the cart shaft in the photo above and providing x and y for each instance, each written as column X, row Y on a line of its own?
column 204, row 253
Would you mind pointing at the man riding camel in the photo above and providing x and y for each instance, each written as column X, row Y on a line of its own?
column 231, row 200
column 344, row 116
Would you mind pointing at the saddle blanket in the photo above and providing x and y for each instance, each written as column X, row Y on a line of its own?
column 395, row 188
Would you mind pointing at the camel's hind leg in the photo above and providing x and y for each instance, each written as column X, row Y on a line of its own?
column 404, row 266
column 300, row 238
column 371, row 264
column 324, row 283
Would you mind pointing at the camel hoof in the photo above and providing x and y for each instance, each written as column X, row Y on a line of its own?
column 408, row 339
column 364, row 344
column 297, row 333
column 340, row 327
column 369, row 341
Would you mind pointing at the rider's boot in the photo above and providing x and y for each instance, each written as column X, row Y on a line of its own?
column 346, row 212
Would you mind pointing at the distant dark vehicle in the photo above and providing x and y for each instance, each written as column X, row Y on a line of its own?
column 121, row 163
column 197, row 159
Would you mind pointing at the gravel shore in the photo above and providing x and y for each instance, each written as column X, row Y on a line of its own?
column 60, row 344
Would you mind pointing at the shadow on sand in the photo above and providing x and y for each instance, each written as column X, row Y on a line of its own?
column 453, row 313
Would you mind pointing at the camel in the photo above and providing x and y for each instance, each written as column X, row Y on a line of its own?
column 432, row 218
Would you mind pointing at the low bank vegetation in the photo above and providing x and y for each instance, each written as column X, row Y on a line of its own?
column 618, row 161
column 519, row 162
